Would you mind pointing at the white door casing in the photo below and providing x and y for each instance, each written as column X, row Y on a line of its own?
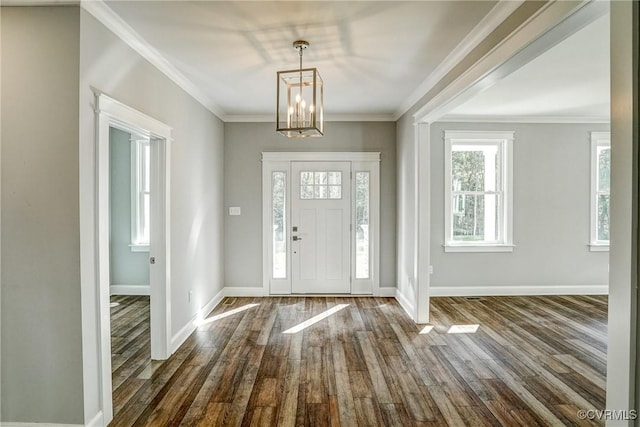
column 111, row 113
column 278, row 245
column 320, row 227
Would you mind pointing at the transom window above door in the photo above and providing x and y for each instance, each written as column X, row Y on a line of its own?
column 320, row 185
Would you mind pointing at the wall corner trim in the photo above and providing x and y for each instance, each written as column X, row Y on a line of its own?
column 406, row 304
column 96, row 421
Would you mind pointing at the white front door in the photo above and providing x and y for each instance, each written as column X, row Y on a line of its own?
column 320, row 227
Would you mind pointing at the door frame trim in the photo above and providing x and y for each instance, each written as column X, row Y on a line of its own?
column 112, row 113
column 281, row 161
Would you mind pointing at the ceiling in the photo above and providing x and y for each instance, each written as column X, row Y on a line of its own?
column 568, row 82
column 372, row 55
column 376, row 57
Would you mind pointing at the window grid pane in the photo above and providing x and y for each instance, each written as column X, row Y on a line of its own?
column 278, row 192
column 604, row 168
column 362, row 225
column 603, row 218
column 141, row 192
column 601, row 158
column 320, row 185
column 477, row 192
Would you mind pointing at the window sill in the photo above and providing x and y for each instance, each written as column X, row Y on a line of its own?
column 139, row 248
column 478, row 248
column 598, row 247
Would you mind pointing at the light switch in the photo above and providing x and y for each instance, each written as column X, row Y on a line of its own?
column 234, row 210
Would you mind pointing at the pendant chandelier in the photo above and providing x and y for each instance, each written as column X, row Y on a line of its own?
column 299, row 111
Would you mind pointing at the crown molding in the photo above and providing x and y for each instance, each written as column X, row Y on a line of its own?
column 490, row 22
column 265, row 118
column 40, row 2
column 524, row 119
column 548, row 26
column 135, row 41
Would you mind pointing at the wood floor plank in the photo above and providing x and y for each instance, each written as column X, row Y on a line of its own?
column 531, row 361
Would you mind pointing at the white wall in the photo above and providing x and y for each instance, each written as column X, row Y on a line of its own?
column 41, row 313
column 551, row 211
column 406, row 212
column 128, row 270
column 244, row 143
column 196, row 177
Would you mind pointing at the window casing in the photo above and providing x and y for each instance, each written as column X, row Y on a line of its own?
column 140, row 194
column 600, row 176
column 478, row 191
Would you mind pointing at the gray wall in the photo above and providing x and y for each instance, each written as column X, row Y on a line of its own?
column 244, row 143
column 196, row 175
column 41, row 314
column 126, row 267
column 408, row 239
column 551, row 182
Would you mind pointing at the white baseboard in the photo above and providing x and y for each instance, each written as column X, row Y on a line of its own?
column 479, row 291
column 387, row 291
column 179, row 338
column 405, row 303
column 97, row 421
column 10, row 424
column 130, row 290
column 258, row 291
column 254, row 291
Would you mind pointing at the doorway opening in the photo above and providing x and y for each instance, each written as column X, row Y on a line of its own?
column 149, row 219
column 129, row 209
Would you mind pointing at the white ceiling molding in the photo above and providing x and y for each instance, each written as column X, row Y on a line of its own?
column 550, row 25
column 120, row 28
column 524, row 119
column 40, row 2
column 490, row 22
column 263, row 118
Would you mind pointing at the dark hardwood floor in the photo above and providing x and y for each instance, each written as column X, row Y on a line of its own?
column 530, row 361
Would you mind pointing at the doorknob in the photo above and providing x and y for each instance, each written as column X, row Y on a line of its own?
column 296, row 238
column 152, row 260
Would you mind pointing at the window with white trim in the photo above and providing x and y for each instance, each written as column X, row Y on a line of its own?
column 600, row 179
column 140, row 194
column 478, row 191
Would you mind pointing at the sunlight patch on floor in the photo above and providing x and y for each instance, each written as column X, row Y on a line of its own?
column 463, row 329
column 426, row 329
column 226, row 314
column 315, row 319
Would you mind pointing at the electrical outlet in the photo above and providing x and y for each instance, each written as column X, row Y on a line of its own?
column 431, row 269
